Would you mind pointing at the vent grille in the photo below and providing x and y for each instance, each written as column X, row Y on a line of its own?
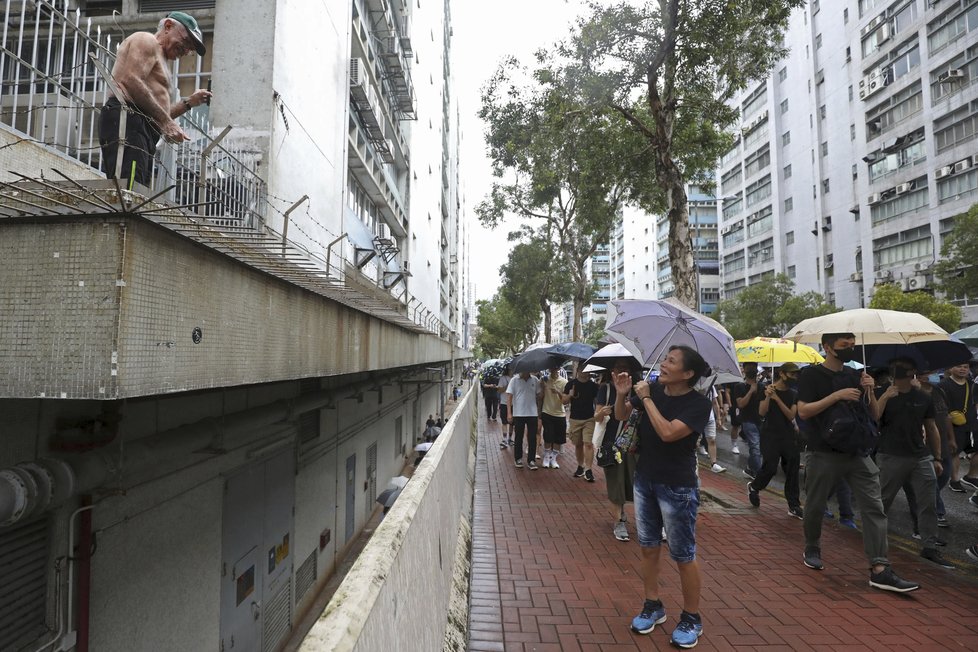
column 277, row 621
column 23, row 584
column 305, row 577
column 175, row 5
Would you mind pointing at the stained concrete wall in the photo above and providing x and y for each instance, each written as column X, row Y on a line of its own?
column 397, row 595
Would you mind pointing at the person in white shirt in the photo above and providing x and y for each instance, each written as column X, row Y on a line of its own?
column 504, row 414
column 522, row 393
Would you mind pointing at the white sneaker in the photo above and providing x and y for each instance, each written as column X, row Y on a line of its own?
column 553, row 462
column 546, row 460
column 735, row 450
column 716, row 468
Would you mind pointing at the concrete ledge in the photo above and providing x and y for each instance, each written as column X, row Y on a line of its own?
column 398, row 594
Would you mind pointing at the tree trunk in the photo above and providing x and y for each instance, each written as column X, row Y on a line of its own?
column 684, row 273
column 545, row 306
column 578, row 312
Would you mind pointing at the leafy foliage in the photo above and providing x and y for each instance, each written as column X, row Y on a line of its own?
column 669, row 67
column 594, row 330
column 769, row 308
column 565, row 167
column 534, row 276
column 956, row 268
column 943, row 313
column 503, row 327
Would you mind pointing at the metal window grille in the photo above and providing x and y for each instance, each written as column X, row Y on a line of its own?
column 23, row 583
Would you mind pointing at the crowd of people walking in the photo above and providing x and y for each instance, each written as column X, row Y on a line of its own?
column 809, row 422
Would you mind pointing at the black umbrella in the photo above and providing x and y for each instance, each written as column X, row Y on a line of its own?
column 573, row 350
column 535, row 360
column 927, row 356
column 388, row 496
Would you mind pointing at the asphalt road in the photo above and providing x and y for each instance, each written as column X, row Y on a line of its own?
column 963, row 518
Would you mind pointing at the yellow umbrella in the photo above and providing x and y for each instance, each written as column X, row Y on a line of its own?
column 773, row 350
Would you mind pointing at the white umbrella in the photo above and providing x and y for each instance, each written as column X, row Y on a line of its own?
column 605, row 357
column 648, row 328
column 398, row 482
column 423, row 447
column 870, row 326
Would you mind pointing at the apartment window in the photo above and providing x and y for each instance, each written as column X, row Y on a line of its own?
column 957, row 127
column 904, row 247
column 789, row 238
column 825, row 186
column 782, row 74
column 787, row 171
column 904, row 60
column 760, row 222
column 785, row 138
column 897, row 205
column 845, row 15
column 825, row 148
column 852, row 132
column 905, row 157
column 951, row 26
column 732, row 207
column 957, row 187
column 894, row 110
column 818, row 41
column 759, row 190
column 731, row 180
column 788, row 205
column 791, row 271
column 757, row 162
column 755, row 101
column 942, row 89
column 784, row 106
column 850, row 92
column 734, row 235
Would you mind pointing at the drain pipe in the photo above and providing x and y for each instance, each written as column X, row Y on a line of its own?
column 84, row 573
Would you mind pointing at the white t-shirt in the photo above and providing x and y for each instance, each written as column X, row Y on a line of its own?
column 502, row 384
column 524, row 393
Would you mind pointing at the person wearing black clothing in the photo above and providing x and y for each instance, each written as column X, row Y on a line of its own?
column 779, row 440
column 490, row 394
column 903, row 456
column 820, row 387
column 671, row 415
column 960, row 393
column 747, row 396
column 582, row 391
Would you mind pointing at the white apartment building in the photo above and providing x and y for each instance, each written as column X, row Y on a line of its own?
column 703, row 234
column 206, row 383
column 633, row 256
column 855, row 154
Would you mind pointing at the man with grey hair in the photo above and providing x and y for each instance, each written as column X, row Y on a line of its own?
column 142, row 78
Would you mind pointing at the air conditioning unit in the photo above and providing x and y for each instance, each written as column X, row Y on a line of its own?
column 856, row 277
column 884, row 275
column 962, row 165
column 829, row 261
column 819, row 76
column 950, row 75
column 359, row 81
column 904, row 188
column 912, row 283
column 405, row 266
column 873, row 85
column 875, row 198
column 874, row 126
column 872, row 25
column 883, row 34
column 944, row 171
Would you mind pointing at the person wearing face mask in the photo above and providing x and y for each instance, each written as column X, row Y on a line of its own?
column 779, row 440
column 904, row 456
column 820, row 387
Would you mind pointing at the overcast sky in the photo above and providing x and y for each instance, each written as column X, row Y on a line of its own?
column 484, row 33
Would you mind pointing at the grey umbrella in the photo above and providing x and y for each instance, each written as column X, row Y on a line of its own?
column 388, row 496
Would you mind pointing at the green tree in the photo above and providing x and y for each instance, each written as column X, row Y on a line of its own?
column 557, row 163
column 503, row 327
column 943, row 313
column 956, row 268
column 670, row 67
column 594, row 330
column 769, row 308
column 534, row 276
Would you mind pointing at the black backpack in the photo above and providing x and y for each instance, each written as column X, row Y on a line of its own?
column 848, row 426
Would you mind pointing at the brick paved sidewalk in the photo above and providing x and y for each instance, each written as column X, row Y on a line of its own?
column 547, row 574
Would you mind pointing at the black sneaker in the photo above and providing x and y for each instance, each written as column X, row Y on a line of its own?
column 502, row 445
column 753, row 496
column 931, row 554
column 750, row 474
column 955, row 485
column 519, row 464
column 940, row 543
column 531, row 465
column 579, row 472
column 887, row 580
column 969, row 481
column 972, row 552
column 974, row 501
column 796, row 512
column 589, row 475
column 813, row 558
column 942, row 521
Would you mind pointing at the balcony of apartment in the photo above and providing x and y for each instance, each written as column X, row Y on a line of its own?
column 198, row 280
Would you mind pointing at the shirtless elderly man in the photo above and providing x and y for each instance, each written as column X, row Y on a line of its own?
column 141, row 74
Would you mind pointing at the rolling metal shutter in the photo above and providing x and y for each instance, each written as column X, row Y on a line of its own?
column 23, row 583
